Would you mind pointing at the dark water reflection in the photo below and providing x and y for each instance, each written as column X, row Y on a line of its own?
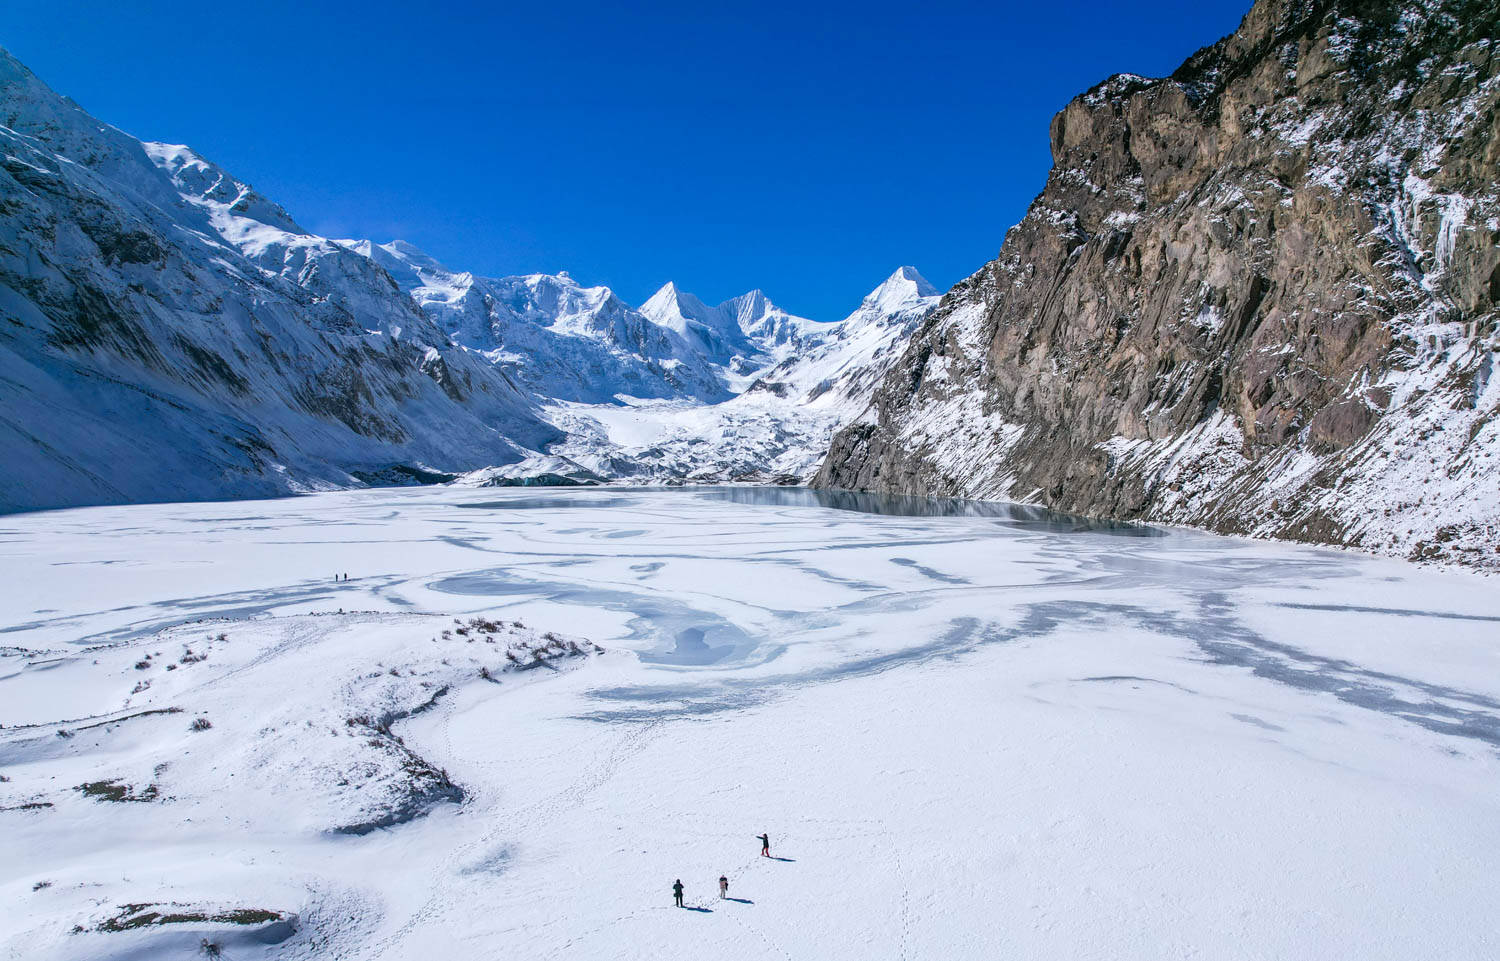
column 546, row 502
column 905, row 505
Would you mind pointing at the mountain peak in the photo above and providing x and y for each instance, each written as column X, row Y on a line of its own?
column 909, row 275
column 748, row 309
column 672, row 306
column 904, row 288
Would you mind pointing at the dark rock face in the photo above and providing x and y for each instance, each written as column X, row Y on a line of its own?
column 1258, row 296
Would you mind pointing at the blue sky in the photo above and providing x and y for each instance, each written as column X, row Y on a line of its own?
column 805, row 148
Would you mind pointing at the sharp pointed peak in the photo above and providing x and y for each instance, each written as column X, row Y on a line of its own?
column 671, row 295
column 667, row 291
column 910, row 275
column 904, row 290
column 905, row 283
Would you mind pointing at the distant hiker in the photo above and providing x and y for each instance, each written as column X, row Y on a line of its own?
column 677, row 892
column 765, row 845
column 723, row 887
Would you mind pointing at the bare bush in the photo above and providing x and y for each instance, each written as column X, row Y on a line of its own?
column 117, row 791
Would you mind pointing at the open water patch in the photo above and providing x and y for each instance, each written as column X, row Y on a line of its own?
column 1023, row 516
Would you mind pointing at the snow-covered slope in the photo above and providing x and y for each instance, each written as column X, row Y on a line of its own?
column 170, row 334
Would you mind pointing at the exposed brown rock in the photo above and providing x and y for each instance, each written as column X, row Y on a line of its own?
column 1258, row 296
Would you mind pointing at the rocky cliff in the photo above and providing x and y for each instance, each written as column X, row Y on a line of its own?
column 1258, row 296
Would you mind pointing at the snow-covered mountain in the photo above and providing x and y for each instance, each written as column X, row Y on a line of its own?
column 781, row 425
column 677, row 390
column 743, row 334
column 567, row 342
column 841, row 368
column 559, row 339
column 170, row 334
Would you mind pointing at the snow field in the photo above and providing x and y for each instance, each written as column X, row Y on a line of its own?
column 969, row 736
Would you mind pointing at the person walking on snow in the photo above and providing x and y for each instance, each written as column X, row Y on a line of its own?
column 677, row 892
column 765, row 845
column 723, row 887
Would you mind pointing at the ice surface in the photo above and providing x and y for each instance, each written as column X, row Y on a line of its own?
column 972, row 731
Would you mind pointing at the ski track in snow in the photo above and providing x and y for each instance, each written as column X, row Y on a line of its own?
column 1003, row 734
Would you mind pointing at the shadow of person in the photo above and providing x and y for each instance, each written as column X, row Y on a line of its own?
column 740, row 900
column 690, row 907
column 773, row 858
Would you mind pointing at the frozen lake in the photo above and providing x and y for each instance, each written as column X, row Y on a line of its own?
column 971, row 730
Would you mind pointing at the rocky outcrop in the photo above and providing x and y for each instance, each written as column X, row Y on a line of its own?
column 1259, row 296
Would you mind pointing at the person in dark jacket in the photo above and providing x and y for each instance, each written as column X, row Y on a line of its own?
column 677, row 892
column 723, row 887
column 765, row 845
